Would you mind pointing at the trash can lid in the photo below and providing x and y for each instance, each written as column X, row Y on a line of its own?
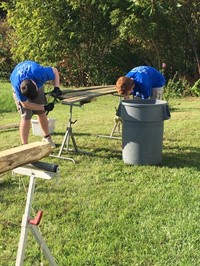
column 143, row 102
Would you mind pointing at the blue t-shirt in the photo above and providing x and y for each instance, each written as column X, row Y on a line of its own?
column 146, row 78
column 29, row 70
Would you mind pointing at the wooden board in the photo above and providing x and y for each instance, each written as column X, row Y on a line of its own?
column 86, row 94
column 12, row 158
column 88, row 88
column 9, row 126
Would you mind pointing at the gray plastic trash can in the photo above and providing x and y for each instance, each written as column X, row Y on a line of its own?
column 142, row 130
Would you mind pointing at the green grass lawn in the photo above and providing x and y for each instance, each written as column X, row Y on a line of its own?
column 103, row 212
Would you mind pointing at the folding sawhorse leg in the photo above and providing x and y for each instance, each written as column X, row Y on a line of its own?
column 116, row 127
column 69, row 134
column 66, row 140
column 32, row 224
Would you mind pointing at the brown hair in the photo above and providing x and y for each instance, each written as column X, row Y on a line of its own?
column 124, row 84
column 29, row 89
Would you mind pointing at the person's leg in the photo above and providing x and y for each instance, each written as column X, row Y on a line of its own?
column 41, row 115
column 26, row 115
column 42, row 118
column 43, row 121
column 24, row 130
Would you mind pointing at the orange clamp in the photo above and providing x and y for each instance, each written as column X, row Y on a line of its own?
column 37, row 218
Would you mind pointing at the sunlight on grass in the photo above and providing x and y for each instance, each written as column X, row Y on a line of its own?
column 104, row 212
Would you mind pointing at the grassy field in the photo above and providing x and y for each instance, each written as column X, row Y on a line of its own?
column 104, row 212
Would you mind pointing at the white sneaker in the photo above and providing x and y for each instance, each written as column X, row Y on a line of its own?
column 49, row 140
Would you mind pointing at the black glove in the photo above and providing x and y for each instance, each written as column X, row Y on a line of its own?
column 56, row 91
column 49, row 107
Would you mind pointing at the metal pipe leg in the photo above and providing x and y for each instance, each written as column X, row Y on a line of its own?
column 43, row 245
column 25, row 225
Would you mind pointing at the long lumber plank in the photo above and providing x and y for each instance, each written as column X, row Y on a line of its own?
column 9, row 126
column 14, row 157
column 86, row 95
column 101, row 89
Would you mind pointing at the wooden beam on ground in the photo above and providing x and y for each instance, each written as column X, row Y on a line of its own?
column 9, row 126
column 12, row 158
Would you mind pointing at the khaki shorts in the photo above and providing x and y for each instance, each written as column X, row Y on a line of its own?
column 157, row 93
column 27, row 114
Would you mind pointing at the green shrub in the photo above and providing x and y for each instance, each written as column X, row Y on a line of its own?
column 7, row 103
column 195, row 90
column 177, row 87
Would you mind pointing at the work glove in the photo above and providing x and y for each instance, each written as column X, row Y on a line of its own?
column 56, row 91
column 49, row 107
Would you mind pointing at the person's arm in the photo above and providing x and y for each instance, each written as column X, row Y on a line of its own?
column 57, row 77
column 32, row 106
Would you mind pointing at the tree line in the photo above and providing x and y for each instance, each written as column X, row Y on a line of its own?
column 94, row 42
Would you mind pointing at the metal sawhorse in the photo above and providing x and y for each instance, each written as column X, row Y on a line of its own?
column 116, row 127
column 28, row 223
column 117, row 124
column 69, row 136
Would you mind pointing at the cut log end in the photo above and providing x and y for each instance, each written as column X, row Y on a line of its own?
column 18, row 156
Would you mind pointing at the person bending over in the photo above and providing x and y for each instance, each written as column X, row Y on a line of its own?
column 27, row 80
column 142, row 81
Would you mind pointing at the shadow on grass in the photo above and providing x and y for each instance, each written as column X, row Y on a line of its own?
column 107, row 153
column 176, row 158
column 75, row 134
column 179, row 158
column 93, row 152
column 6, row 183
column 183, row 109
